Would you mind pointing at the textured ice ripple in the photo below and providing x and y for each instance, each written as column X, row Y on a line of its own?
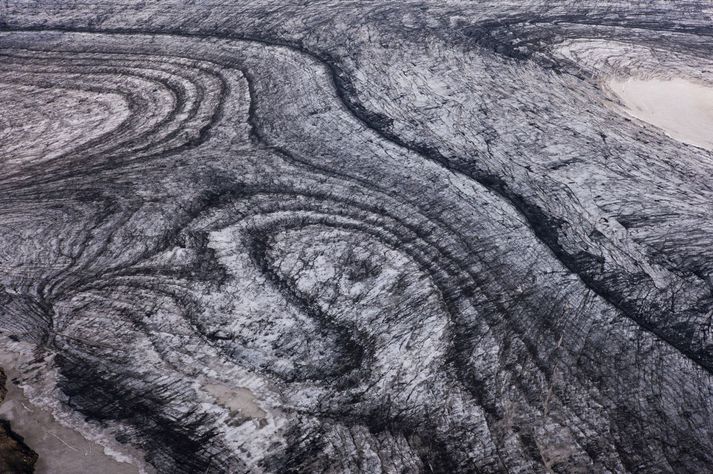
column 355, row 237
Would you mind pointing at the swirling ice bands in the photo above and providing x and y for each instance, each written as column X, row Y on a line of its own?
column 456, row 340
column 164, row 107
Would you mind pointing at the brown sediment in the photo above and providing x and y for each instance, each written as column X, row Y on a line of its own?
column 15, row 455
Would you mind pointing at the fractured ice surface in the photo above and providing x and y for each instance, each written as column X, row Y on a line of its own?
column 422, row 236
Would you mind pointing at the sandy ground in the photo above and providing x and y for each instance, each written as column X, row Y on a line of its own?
column 239, row 400
column 681, row 108
column 61, row 450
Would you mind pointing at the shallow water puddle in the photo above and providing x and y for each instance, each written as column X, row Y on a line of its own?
column 60, row 449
